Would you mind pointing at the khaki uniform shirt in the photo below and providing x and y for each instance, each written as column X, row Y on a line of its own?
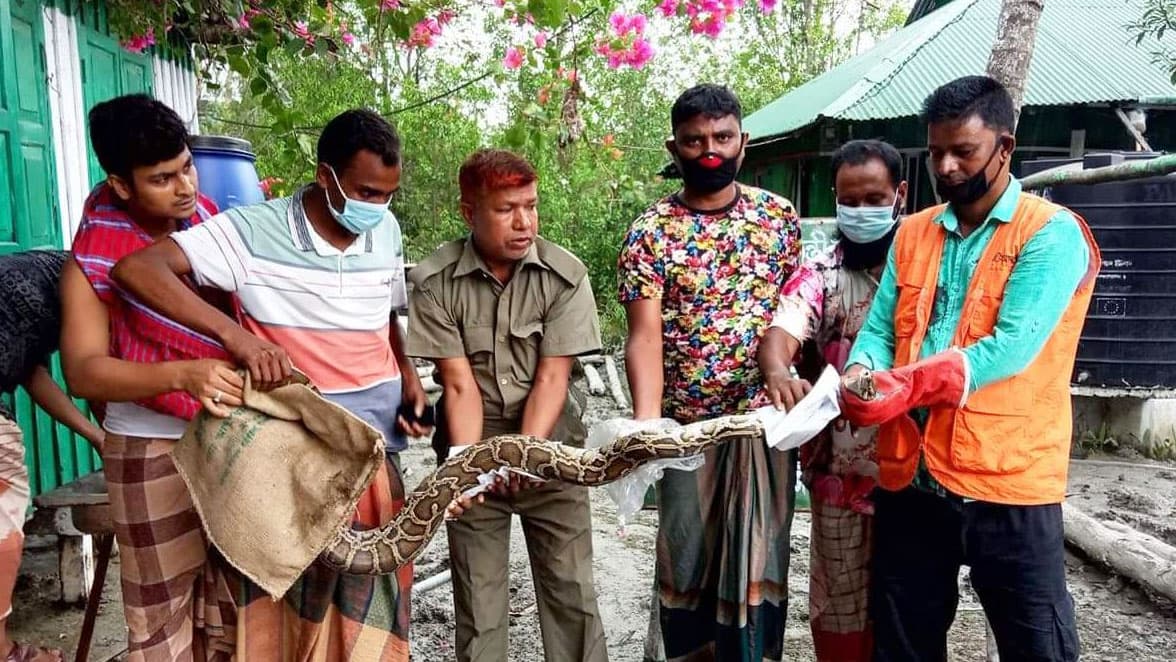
column 458, row 308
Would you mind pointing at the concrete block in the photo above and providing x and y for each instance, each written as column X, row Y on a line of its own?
column 1146, row 424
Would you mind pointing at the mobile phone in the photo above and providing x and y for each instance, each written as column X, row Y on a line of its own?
column 427, row 418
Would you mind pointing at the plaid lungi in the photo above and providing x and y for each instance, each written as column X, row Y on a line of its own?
column 839, row 582
column 14, row 503
column 177, row 601
column 334, row 616
column 723, row 552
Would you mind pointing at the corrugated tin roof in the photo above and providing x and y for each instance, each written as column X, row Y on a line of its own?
column 1084, row 54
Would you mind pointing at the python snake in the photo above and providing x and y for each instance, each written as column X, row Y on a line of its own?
column 385, row 549
column 862, row 385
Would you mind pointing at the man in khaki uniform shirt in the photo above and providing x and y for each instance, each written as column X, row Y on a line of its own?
column 504, row 313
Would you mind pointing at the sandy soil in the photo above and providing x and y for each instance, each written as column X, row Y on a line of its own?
column 1117, row 621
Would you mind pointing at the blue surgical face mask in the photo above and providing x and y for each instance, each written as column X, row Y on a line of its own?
column 357, row 216
column 861, row 225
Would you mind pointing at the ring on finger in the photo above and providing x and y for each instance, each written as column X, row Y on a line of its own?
column 216, row 397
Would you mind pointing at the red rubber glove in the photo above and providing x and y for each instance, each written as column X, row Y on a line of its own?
column 938, row 381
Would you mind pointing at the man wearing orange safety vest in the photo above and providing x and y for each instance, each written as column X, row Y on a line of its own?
column 971, row 341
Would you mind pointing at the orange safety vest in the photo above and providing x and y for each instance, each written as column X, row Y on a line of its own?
column 1010, row 442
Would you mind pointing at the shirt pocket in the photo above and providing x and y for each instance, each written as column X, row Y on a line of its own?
column 527, row 331
column 478, row 342
column 526, row 338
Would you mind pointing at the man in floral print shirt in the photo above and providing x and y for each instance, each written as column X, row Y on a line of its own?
column 821, row 310
column 699, row 274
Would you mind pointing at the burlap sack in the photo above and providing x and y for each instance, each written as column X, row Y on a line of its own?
column 278, row 479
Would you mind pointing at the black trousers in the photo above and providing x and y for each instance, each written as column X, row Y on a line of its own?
column 1017, row 562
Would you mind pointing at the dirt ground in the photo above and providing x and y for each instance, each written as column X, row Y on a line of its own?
column 1116, row 620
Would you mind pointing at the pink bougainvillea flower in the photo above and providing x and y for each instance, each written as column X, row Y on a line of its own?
column 500, row 3
column 446, row 17
column 540, row 40
column 389, row 5
column 639, row 53
column 424, row 33
column 627, row 45
column 301, row 29
column 618, row 21
column 348, row 38
column 514, row 58
column 140, row 43
column 668, row 8
column 268, row 184
column 243, row 22
column 766, row 6
column 623, row 25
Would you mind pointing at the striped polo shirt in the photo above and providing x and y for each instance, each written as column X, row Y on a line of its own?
column 331, row 310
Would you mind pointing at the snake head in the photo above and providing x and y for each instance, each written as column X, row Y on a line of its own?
column 861, row 384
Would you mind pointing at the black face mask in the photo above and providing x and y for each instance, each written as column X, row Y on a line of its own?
column 702, row 179
column 971, row 189
column 859, row 257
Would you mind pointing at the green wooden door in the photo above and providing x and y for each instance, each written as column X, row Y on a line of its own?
column 42, row 228
column 11, row 167
column 28, row 196
column 29, row 217
column 108, row 70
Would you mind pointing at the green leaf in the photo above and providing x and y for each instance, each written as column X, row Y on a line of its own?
column 516, row 136
column 240, row 65
column 306, row 144
column 262, row 25
column 294, row 46
column 548, row 13
column 258, row 86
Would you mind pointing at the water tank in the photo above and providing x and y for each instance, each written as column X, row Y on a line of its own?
column 1129, row 339
column 227, row 173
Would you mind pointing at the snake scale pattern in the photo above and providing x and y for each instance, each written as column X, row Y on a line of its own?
column 383, row 550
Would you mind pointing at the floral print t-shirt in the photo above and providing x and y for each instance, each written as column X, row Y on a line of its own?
column 718, row 275
column 825, row 304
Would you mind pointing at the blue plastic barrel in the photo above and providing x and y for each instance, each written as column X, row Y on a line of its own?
column 227, row 173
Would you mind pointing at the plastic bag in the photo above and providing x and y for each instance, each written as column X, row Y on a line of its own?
column 628, row 493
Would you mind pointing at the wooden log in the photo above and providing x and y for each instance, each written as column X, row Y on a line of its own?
column 75, row 567
column 1068, row 175
column 592, row 359
column 595, row 382
column 614, row 382
column 1145, row 560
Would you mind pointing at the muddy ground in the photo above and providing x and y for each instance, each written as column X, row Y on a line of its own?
column 1116, row 620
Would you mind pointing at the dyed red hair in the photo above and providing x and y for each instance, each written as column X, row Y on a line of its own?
column 492, row 169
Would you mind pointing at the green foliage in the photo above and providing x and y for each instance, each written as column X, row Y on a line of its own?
column 1157, row 22
column 596, row 138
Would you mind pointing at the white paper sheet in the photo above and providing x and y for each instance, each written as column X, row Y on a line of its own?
column 787, row 430
column 487, row 479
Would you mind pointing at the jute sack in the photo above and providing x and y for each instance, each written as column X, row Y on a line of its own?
column 277, row 480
